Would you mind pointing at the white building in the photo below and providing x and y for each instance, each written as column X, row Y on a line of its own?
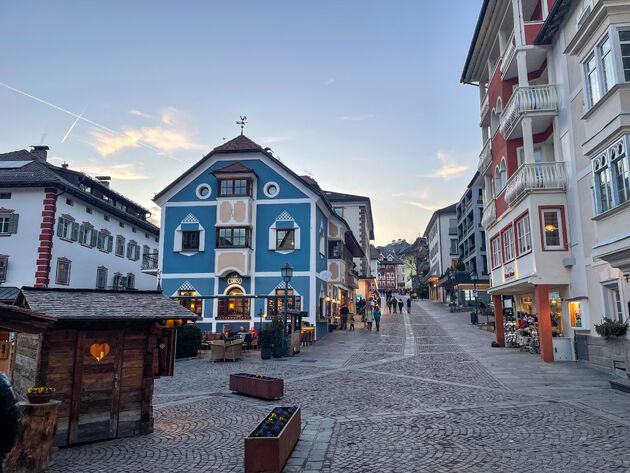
column 553, row 79
column 441, row 235
column 62, row 228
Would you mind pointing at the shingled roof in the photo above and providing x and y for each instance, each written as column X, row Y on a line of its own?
column 96, row 304
column 25, row 169
column 239, row 144
column 236, row 167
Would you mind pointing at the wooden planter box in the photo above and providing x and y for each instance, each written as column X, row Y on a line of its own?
column 269, row 454
column 262, row 388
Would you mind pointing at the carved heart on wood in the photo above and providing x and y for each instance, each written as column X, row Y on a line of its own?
column 99, row 351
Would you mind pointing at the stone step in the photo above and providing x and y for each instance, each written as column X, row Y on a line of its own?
column 620, row 384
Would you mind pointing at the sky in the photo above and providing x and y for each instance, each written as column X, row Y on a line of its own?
column 363, row 96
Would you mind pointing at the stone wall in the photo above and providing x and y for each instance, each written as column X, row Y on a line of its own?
column 27, row 352
column 608, row 354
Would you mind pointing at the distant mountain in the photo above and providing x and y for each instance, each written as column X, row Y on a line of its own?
column 396, row 246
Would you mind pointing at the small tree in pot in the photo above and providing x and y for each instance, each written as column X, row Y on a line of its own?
column 265, row 342
column 188, row 341
column 277, row 329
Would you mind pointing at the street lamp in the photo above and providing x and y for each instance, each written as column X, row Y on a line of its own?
column 474, row 277
column 287, row 272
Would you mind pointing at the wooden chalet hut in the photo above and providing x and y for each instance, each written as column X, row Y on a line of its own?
column 101, row 350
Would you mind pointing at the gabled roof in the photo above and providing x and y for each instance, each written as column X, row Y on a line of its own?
column 97, row 304
column 233, row 168
column 239, row 144
column 39, row 173
column 8, row 293
column 339, row 197
column 450, row 209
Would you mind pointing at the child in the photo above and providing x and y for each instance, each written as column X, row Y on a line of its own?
column 351, row 323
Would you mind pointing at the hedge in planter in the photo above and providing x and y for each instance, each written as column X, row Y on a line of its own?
column 611, row 328
column 188, row 341
column 265, row 342
column 277, row 329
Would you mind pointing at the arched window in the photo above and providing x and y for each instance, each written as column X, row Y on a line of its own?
column 495, row 117
column 497, row 181
column 233, row 308
column 503, row 172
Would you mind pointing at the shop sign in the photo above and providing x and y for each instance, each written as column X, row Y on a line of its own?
column 508, row 271
column 234, row 278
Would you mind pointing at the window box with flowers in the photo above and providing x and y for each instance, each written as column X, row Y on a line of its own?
column 40, row 395
column 268, row 446
column 257, row 385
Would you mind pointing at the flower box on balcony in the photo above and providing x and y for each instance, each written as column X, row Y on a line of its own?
column 259, row 386
column 269, row 445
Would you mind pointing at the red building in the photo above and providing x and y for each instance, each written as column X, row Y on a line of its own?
column 389, row 268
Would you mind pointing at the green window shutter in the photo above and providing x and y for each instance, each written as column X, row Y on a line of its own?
column 93, row 237
column 75, row 231
column 13, row 223
column 60, row 227
column 82, row 234
column 110, row 243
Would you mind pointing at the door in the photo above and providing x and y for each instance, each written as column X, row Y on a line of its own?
column 96, row 389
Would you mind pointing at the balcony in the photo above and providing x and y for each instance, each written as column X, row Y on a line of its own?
column 489, row 215
column 485, row 157
column 539, row 102
column 535, row 177
column 508, row 55
column 485, row 108
column 149, row 263
column 452, row 231
column 534, row 55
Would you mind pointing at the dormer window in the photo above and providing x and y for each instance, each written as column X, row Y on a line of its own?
column 234, row 187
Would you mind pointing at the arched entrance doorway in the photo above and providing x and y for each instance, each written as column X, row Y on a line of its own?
column 233, row 308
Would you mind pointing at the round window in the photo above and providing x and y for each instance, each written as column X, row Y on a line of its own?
column 271, row 189
column 203, row 191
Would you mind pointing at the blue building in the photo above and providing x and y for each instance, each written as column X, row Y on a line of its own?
column 228, row 225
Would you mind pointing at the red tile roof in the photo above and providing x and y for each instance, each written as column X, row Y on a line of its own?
column 234, row 167
column 240, row 143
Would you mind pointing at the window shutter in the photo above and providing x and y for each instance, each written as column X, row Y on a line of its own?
column 75, row 231
column 60, row 227
column 82, row 234
column 93, row 236
column 110, row 243
column 4, row 262
column 129, row 249
column 137, row 253
column 13, row 223
column 296, row 237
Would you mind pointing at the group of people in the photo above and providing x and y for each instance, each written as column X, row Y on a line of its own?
column 393, row 304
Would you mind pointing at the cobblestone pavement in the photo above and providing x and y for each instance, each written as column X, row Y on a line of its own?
column 425, row 394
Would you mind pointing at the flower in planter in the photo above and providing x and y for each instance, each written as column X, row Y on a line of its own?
column 40, row 391
column 275, row 422
column 256, row 376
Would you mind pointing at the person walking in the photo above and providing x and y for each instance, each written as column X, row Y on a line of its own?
column 369, row 318
column 394, row 304
column 344, row 316
column 409, row 305
column 377, row 318
column 389, row 304
column 10, row 417
column 400, row 305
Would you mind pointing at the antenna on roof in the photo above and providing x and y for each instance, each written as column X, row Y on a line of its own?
column 242, row 122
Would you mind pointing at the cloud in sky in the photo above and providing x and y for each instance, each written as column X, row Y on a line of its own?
column 125, row 171
column 273, row 139
column 422, row 205
column 138, row 113
column 164, row 139
column 450, row 169
column 355, row 118
column 330, row 81
column 156, row 213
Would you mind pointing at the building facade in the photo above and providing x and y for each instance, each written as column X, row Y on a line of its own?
column 441, row 235
column 552, row 83
column 232, row 221
column 390, row 273
column 62, row 228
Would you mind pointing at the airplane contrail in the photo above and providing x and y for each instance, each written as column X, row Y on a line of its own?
column 73, row 125
column 81, row 117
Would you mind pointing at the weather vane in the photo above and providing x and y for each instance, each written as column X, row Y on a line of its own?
column 242, row 122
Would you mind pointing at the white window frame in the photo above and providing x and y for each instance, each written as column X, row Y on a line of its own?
column 284, row 217
column 508, row 244
column 59, row 280
column 606, row 163
column 496, row 253
column 178, row 236
column 558, row 212
column 611, row 311
column 523, row 235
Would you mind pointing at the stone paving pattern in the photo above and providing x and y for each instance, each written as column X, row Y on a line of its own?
column 425, row 394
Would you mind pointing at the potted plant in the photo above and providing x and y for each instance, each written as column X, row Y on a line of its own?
column 277, row 326
column 608, row 328
column 265, row 342
column 269, row 445
column 257, row 385
column 40, row 394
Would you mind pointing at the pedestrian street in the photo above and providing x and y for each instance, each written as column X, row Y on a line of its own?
column 425, row 394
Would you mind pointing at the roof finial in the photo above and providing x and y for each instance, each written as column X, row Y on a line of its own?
column 242, row 122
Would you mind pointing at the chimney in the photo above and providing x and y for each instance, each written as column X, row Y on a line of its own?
column 104, row 180
column 40, row 152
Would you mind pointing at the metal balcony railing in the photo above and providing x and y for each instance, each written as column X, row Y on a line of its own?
column 535, row 177
column 485, row 157
column 489, row 215
column 149, row 261
column 538, row 98
column 510, row 50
